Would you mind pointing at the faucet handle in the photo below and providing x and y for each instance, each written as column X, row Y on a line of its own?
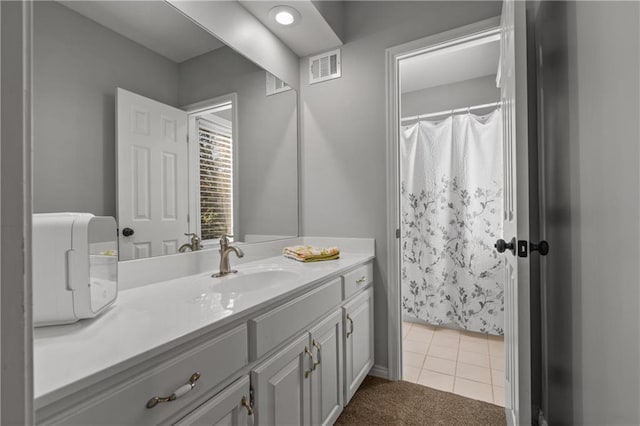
column 224, row 239
column 194, row 237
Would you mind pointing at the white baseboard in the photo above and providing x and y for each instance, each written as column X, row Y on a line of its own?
column 379, row 371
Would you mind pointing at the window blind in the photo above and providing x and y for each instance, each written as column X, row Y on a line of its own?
column 216, row 179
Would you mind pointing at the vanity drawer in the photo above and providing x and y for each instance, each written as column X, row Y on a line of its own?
column 271, row 329
column 357, row 279
column 215, row 360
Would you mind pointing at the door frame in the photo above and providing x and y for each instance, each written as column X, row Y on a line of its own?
column 193, row 110
column 16, row 137
column 462, row 35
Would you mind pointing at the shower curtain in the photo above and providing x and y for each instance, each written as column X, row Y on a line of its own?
column 451, row 216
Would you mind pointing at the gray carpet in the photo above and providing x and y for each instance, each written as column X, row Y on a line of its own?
column 381, row 402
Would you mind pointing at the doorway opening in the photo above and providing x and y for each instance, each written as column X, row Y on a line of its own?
column 212, row 129
column 449, row 208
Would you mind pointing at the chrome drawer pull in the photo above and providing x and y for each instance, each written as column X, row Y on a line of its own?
column 361, row 280
column 350, row 332
column 181, row 391
column 310, row 370
column 245, row 404
column 318, row 349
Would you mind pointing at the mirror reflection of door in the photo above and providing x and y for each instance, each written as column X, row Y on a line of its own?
column 152, row 160
column 180, row 170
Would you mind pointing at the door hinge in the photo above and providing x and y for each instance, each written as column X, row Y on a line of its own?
column 523, row 247
column 398, row 233
column 251, row 396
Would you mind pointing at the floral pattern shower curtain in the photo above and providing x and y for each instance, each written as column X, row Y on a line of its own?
column 451, row 216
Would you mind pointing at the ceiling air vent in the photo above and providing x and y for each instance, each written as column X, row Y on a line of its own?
column 325, row 66
column 275, row 85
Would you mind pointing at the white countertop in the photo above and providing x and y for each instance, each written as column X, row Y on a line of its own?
column 148, row 320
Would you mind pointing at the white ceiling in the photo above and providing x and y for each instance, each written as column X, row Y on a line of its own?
column 155, row 25
column 449, row 66
column 309, row 36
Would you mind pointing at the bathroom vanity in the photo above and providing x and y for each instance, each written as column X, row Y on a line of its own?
column 282, row 341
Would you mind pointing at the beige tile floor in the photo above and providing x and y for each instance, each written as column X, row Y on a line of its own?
column 466, row 363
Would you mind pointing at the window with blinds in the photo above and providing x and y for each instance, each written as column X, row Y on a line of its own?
column 216, row 179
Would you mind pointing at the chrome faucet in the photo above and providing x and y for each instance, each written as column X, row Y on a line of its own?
column 225, row 249
column 193, row 246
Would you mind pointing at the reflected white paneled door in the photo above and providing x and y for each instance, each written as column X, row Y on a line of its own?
column 513, row 88
column 152, row 161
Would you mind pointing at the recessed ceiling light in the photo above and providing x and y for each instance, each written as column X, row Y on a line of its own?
column 285, row 15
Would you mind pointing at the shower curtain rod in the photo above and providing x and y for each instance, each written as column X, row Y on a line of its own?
column 450, row 111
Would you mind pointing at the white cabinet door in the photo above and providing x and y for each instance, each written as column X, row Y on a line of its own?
column 327, row 376
column 282, row 392
column 229, row 407
column 358, row 338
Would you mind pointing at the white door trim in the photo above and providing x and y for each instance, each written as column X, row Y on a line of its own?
column 16, row 329
column 467, row 34
column 193, row 110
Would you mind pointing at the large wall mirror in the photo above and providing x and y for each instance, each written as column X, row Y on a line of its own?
column 141, row 114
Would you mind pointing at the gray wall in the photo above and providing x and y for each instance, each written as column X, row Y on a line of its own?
column 267, row 143
column 343, row 152
column 590, row 77
column 75, row 75
column 477, row 91
column 333, row 13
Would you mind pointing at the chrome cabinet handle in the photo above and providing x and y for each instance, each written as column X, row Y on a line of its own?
column 181, row 391
column 350, row 332
column 318, row 349
column 245, row 404
column 310, row 370
column 361, row 280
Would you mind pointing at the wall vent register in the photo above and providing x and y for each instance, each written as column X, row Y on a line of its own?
column 325, row 66
column 275, row 85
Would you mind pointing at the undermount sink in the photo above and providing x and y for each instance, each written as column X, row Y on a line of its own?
column 248, row 281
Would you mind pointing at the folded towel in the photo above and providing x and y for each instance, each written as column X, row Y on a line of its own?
column 311, row 254
column 312, row 259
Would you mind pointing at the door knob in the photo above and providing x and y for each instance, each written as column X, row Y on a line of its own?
column 502, row 246
column 542, row 247
column 127, row 232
